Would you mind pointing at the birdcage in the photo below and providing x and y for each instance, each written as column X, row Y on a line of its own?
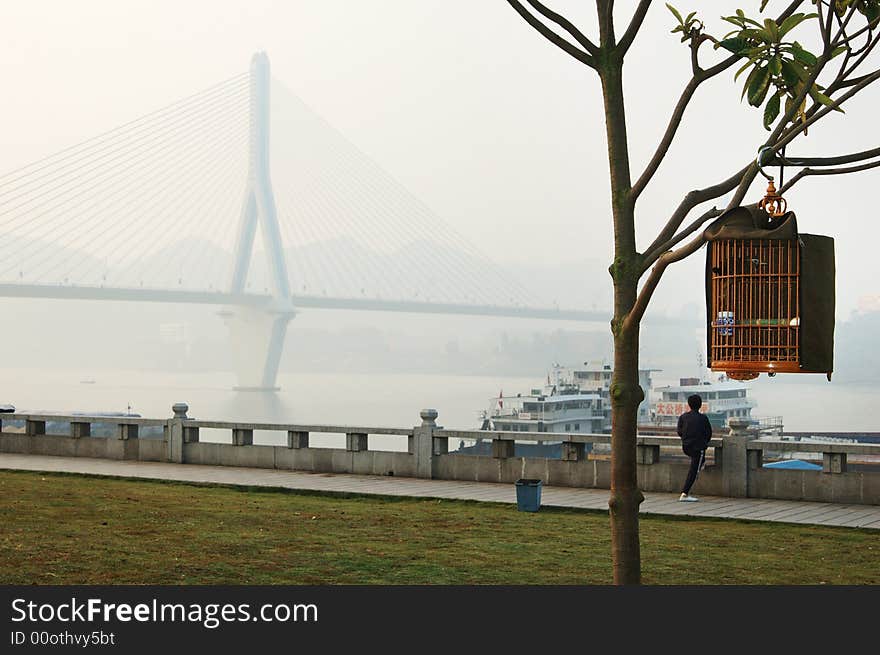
column 770, row 295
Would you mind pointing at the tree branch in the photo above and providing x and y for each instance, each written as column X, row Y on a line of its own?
column 647, row 290
column 794, row 130
column 634, row 26
column 842, row 25
column 824, row 161
column 789, row 10
column 605, row 13
column 670, row 256
column 685, row 233
column 675, row 122
column 841, row 80
column 847, row 84
column 552, row 36
column 782, row 135
column 821, row 23
column 741, row 191
column 698, row 78
column 867, row 28
column 807, row 172
column 660, row 251
column 565, row 24
column 687, row 204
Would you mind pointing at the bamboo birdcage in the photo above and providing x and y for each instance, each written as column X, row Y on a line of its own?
column 770, row 296
column 755, row 301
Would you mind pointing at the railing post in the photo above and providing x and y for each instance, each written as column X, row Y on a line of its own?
column 242, row 437
column 503, row 448
column 734, row 466
column 297, row 439
column 79, row 429
column 190, row 433
column 355, row 442
column 175, row 433
column 421, row 444
column 572, row 451
column 756, row 458
column 834, row 462
column 32, row 428
column 647, row 454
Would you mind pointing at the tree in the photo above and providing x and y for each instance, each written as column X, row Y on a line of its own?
column 796, row 88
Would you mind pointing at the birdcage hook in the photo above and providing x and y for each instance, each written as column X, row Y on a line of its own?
column 759, row 160
column 773, row 203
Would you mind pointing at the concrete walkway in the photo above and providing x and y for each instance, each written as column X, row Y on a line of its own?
column 831, row 514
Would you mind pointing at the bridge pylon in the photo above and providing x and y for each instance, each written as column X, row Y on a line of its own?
column 257, row 335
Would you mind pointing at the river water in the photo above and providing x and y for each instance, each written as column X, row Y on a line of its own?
column 804, row 402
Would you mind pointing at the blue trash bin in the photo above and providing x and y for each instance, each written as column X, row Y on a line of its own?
column 528, row 495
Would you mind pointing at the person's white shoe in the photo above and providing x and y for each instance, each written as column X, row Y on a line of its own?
column 685, row 498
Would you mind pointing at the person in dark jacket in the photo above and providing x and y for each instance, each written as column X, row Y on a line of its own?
column 695, row 432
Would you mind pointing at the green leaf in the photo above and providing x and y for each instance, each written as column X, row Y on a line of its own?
column 790, row 74
column 793, row 21
column 758, row 87
column 751, row 78
column 775, row 65
column 771, row 111
column 802, row 55
column 763, row 4
column 735, row 45
column 764, row 36
column 821, row 98
column 772, row 30
column 675, row 13
column 740, row 20
column 751, row 62
column 742, row 70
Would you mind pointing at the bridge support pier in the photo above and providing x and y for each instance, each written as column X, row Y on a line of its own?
column 257, row 340
column 258, row 367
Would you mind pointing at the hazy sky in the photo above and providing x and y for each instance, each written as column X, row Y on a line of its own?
column 496, row 130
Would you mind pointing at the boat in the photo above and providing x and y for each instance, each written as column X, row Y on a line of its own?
column 577, row 400
column 572, row 400
column 723, row 399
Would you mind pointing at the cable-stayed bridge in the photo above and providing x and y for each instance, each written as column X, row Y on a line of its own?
column 180, row 205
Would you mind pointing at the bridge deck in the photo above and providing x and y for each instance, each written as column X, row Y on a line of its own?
column 829, row 514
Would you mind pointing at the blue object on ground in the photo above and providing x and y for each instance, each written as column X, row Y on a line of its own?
column 528, row 495
column 797, row 464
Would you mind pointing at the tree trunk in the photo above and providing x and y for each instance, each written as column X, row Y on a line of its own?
column 626, row 394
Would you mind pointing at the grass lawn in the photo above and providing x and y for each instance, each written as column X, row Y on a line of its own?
column 68, row 529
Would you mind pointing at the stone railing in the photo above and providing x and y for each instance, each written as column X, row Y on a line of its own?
column 734, row 469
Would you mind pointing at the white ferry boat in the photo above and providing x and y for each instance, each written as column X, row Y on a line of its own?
column 577, row 399
column 572, row 400
column 722, row 397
